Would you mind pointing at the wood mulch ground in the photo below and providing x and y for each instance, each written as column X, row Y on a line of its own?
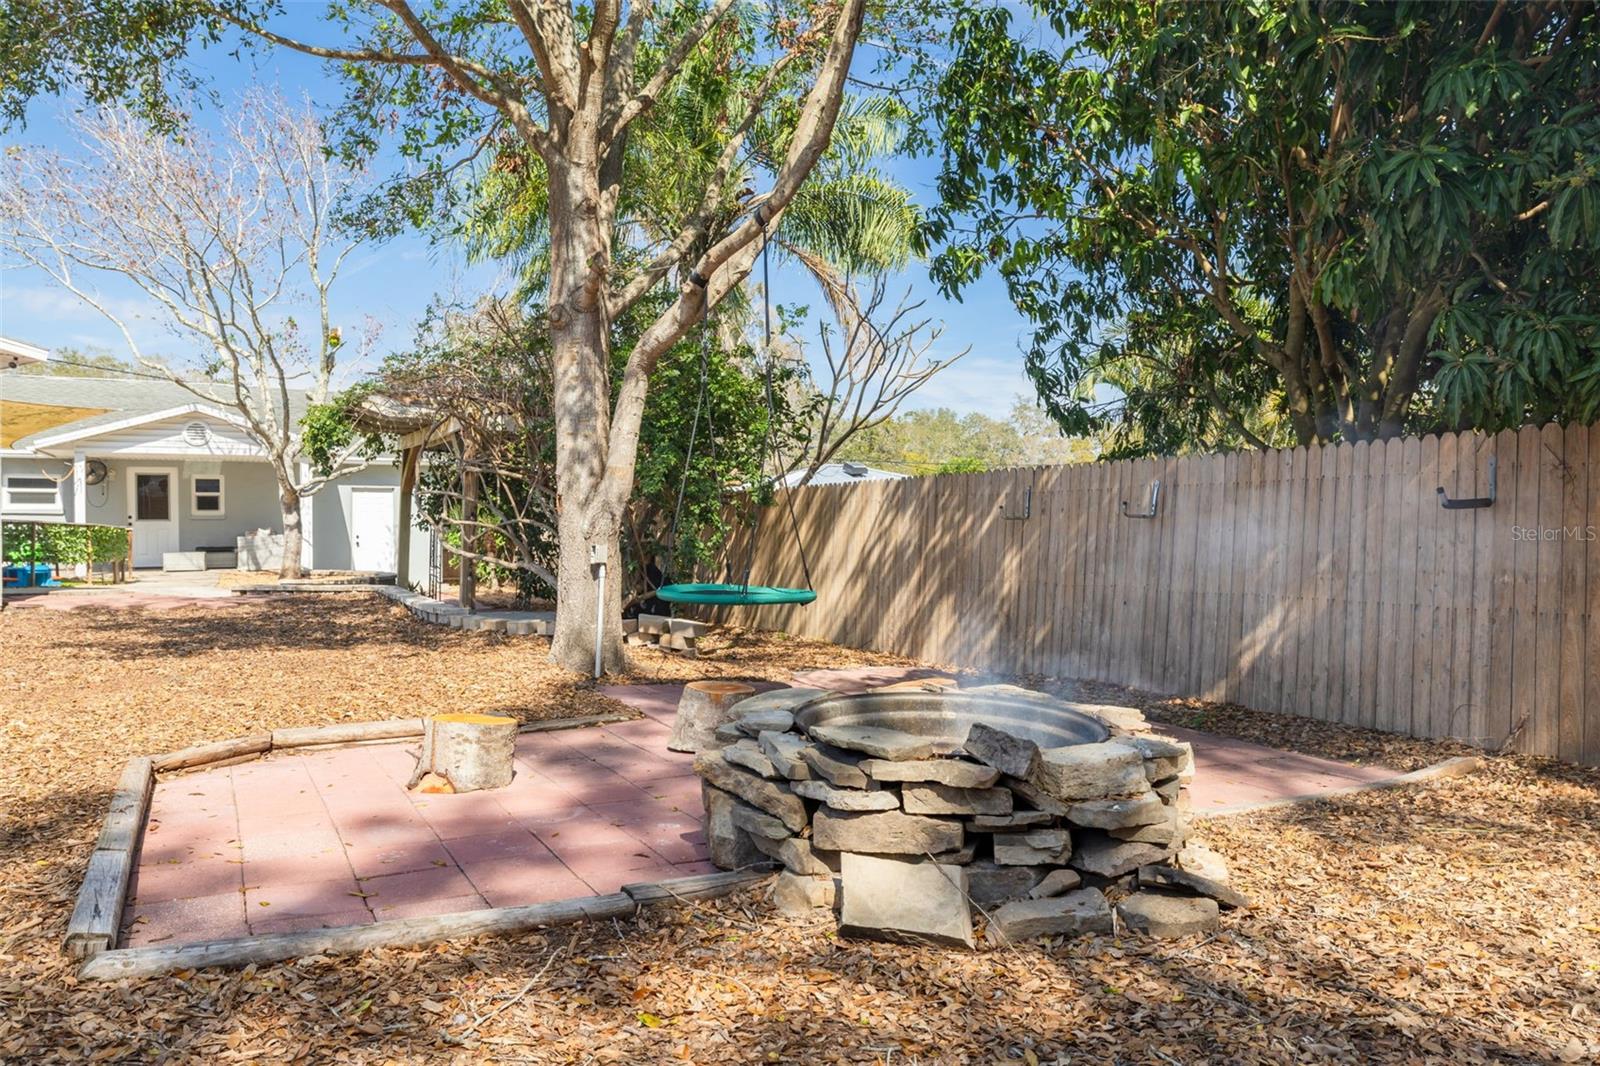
column 1457, row 923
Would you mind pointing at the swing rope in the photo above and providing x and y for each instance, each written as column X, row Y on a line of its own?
column 742, row 592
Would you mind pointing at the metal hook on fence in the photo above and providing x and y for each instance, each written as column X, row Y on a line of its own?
column 1027, row 508
column 1470, row 502
column 1155, row 500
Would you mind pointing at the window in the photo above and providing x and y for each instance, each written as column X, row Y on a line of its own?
column 27, row 494
column 151, row 498
column 207, row 497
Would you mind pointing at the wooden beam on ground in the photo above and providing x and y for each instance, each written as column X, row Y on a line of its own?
column 201, row 754
column 406, row 932
column 350, row 733
column 98, row 912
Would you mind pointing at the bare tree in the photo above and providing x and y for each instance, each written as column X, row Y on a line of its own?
column 229, row 236
column 878, row 358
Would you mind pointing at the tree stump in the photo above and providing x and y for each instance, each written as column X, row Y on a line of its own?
column 465, row 752
column 703, row 706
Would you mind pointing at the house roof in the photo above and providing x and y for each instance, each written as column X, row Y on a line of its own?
column 845, row 473
column 110, row 401
column 19, row 353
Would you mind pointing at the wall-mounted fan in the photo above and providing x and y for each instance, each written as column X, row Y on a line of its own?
column 94, row 472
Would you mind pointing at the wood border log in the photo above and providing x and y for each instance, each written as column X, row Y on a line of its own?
column 201, row 754
column 306, row 736
column 407, row 932
column 97, row 915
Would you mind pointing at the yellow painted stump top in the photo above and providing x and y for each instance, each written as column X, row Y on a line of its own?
column 474, row 718
column 720, row 688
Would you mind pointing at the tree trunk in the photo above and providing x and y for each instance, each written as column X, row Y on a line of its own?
column 289, row 568
column 581, row 356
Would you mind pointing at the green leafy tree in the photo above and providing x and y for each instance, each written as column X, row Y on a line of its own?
column 573, row 85
column 1275, row 222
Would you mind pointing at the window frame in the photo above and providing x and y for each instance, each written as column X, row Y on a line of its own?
column 8, row 506
column 221, row 494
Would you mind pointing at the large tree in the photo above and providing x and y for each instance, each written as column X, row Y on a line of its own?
column 1282, row 222
column 231, row 237
column 572, row 84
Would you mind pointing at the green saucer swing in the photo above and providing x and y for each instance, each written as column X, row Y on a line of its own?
column 736, row 594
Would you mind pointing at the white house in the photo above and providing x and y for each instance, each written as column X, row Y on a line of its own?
column 185, row 474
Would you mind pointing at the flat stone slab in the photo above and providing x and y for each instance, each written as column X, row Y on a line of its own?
column 1004, row 823
column 1036, row 847
column 835, row 765
column 794, row 852
column 748, row 754
column 884, row 833
column 882, row 743
column 989, row 882
column 1159, row 915
column 1075, row 913
column 1105, row 770
column 1055, row 883
column 846, row 799
column 772, row 720
column 770, row 796
column 784, row 749
column 1170, row 877
column 995, row 747
column 1113, row 858
column 915, row 901
column 779, row 699
column 729, row 843
column 930, row 797
column 955, row 772
column 799, row 894
column 754, row 820
column 1118, row 813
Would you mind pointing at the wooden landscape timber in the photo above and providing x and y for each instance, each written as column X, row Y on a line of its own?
column 1327, row 582
column 97, row 915
column 408, row 932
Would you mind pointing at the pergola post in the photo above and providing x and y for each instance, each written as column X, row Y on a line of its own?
column 408, row 484
column 80, row 504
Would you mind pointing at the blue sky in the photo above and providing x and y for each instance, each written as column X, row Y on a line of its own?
column 393, row 283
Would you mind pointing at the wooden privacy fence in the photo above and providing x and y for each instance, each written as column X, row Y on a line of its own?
column 1328, row 582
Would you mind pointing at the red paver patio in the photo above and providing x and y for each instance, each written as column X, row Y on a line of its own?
column 333, row 838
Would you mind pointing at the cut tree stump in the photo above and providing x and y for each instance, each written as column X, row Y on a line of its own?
column 468, row 751
column 703, row 706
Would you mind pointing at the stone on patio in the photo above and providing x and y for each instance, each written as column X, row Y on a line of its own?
column 1163, row 757
column 884, row 833
column 1174, row 879
column 835, row 765
column 770, row 796
column 1037, row 847
column 730, row 846
column 1076, row 913
column 1090, row 771
column 798, row 895
column 1010, row 755
column 1118, row 813
column 702, row 707
column 846, row 799
column 795, row 853
column 930, row 797
column 1056, row 883
column 1196, row 858
column 748, row 754
column 1113, row 858
column 910, row 900
column 1160, row 915
column 772, row 720
column 954, row 772
column 877, row 741
column 989, row 882
column 784, row 750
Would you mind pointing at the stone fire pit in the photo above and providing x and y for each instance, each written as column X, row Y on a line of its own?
column 913, row 808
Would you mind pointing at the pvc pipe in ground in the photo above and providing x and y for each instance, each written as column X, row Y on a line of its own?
column 599, row 614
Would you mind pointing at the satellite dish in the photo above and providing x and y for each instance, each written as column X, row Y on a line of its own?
column 94, row 472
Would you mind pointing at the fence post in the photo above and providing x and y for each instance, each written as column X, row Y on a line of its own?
column 127, row 569
column 88, row 551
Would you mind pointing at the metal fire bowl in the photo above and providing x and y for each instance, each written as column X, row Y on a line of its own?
column 946, row 716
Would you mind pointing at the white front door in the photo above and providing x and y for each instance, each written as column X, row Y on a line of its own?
column 372, row 529
column 153, row 505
